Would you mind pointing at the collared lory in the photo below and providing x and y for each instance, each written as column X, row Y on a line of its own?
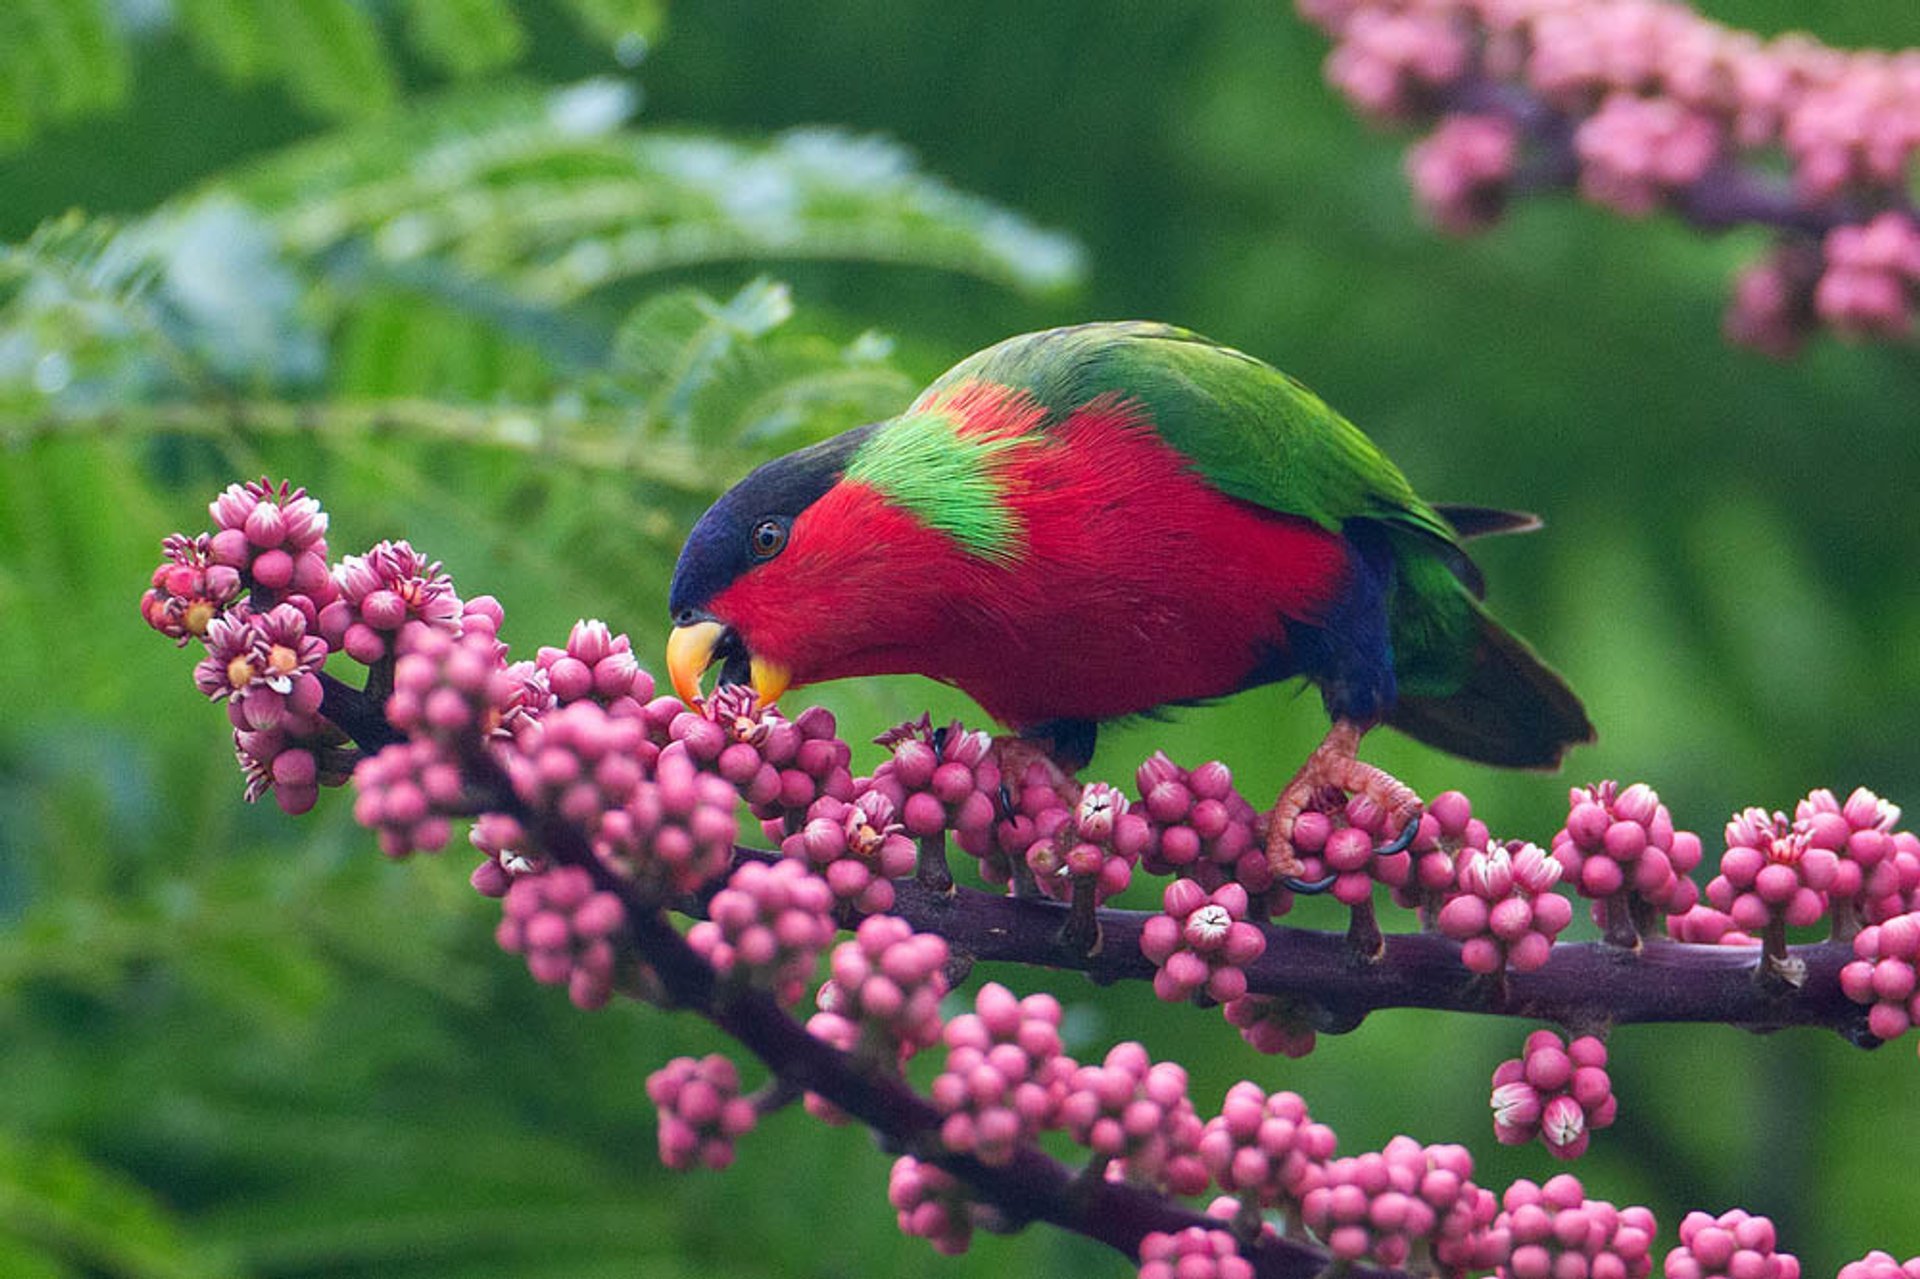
column 1091, row 522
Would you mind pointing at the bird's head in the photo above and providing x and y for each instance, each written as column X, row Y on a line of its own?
column 879, row 551
column 765, row 571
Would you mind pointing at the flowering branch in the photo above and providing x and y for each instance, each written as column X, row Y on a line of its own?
column 598, row 807
column 1643, row 105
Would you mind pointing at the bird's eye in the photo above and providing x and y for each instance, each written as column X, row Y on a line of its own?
column 768, row 538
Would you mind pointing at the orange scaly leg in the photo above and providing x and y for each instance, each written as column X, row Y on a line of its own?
column 1334, row 762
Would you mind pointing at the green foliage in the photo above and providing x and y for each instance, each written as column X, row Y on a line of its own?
column 339, row 59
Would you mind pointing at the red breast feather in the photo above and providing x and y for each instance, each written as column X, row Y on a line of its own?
column 1134, row 584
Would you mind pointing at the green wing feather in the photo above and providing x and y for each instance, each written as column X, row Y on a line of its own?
column 1251, row 430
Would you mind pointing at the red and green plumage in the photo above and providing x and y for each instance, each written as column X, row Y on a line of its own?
column 1091, row 522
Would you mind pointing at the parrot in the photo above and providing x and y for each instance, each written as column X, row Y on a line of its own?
column 1112, row 519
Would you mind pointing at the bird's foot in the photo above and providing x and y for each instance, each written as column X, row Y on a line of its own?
column 1334, row 765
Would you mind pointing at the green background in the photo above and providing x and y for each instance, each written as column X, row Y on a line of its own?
column 234, row 1043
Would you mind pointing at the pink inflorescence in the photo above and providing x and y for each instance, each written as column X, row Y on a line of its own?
column 1506, row 912
column 1621, row 840
column 565, row 928
column 382, row 593
column 265, row 665
column 882, row 1000
column 1201, row 942
column 701, row 1111
column 407, row 793
column 1872, row 277
column 1375, row 1205
column 767, row 927
column 1282, row 1024
column 1771, row 872
column 1096, row 842
column 508, row 852
column 940, row 779
column 274, row 536
column 1734, row 1245
column 1705, row 926
column 1556, row 1091
column 1881, row 1265
column 1645, row 104
column 189, row 589
column 1336, row 836
column 1448, row 832
column 1192, row 1253
column 1462, row 173
column 1039, row 792
column 1882, row 975
column 1878, row 875
column 1555, row 1232
column 1005, row 1074
column 1135, row 1110
column 451, row 688
column 779, row 766
column 1202, row 828
column 596, row 664
column 1265, row 1149
column 1635, row 152
column 931, row 1204
column 858, row 845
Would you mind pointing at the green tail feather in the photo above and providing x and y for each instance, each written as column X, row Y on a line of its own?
column 1510, row 709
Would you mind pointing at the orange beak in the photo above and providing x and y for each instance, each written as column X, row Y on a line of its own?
column 691, row 649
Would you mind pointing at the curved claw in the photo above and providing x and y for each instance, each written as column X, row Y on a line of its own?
column 1306, row 887
column 1401, row 842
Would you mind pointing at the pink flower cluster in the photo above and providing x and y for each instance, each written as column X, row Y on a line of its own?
column 1881, row 1265
column 767, row 927
column 1557, row 1091
column 1095, row 843
column 565, row 928
column 1645, row 105
column 275, row 537
column 1202, row 828
column 1005, row 1074
column 1506, row 913
column 883, row 999
column 930, row 1203
column 1771, row 873
column 1734, row 1245
column 1878, row 875
column 1135, row 1111
column 1376, row 1205
column 1555, row 1232
column 1883, row 975
column 940, row 779
column 190, row 588
column 1620, row 840
column 1201, row 942
column 381, row 595
column 858, row 845
column 1336, row 837
column 1447, row 834
column 267, row 669
column 1280, row 1024
column 701, row 1111
column 1193, row 1253
column 1265, row 1149
column 779, row 766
